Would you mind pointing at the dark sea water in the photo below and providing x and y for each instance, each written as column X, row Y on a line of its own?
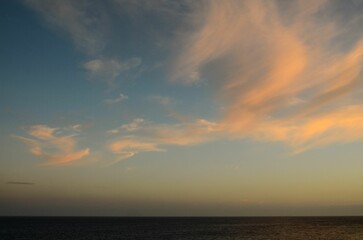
column 304, row 228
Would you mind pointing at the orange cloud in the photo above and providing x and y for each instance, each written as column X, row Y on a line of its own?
column 336, row 126
column 284, row 71
column 277, row 70
column 132, row 145
column 260, row 55
column 150, row 137
column 49, row 144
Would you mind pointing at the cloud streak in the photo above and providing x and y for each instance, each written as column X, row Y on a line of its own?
column 259, row 55
column 141, row 136
column 120, row 98
column 79, row 19
column 52, row 145
column 109, row 69
column 284, row 71
column 89, row 24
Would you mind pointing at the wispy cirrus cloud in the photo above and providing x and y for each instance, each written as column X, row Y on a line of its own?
column 109, row 69
column 162, row 100
column 120, row 98
column 89, row 24
column 135, row 125
column 79, row 19
column 340, row 125
column 260, row 55
column 52, row 145
column 128, row 147
column 284, row 71
column 142, row 136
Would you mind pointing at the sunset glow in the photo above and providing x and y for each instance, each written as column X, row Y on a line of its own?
column 206, row 107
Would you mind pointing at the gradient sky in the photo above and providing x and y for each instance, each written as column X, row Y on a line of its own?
column 204, row 107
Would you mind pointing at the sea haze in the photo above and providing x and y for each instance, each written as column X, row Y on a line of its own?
column 195, row 228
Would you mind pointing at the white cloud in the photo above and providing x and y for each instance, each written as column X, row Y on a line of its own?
column 118, row 99
column 136, row 124
column 162, row 100
column 76, row 127
column 110, row 68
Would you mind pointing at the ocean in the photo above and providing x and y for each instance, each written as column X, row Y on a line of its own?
column 181, row 228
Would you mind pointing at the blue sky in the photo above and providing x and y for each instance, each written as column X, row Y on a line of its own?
column 181, row 107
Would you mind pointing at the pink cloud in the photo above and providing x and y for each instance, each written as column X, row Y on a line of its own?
column 258, row 55
column 53, row 146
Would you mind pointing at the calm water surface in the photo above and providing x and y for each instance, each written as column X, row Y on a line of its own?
column 303, row 228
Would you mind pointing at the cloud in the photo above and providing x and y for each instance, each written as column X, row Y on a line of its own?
column 110, row 68
column 77, row 127
column 118, row 99
column 151, row 137
column 259, row 56
column 128, row 147
column 284, row 71
column 90, row 25
column 162, row 100
column 81, row 20
column 163, row 7
column 136, row 124
column 335, row 126
column 52, row 145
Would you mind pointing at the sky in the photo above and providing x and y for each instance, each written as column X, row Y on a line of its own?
column 181, row 108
